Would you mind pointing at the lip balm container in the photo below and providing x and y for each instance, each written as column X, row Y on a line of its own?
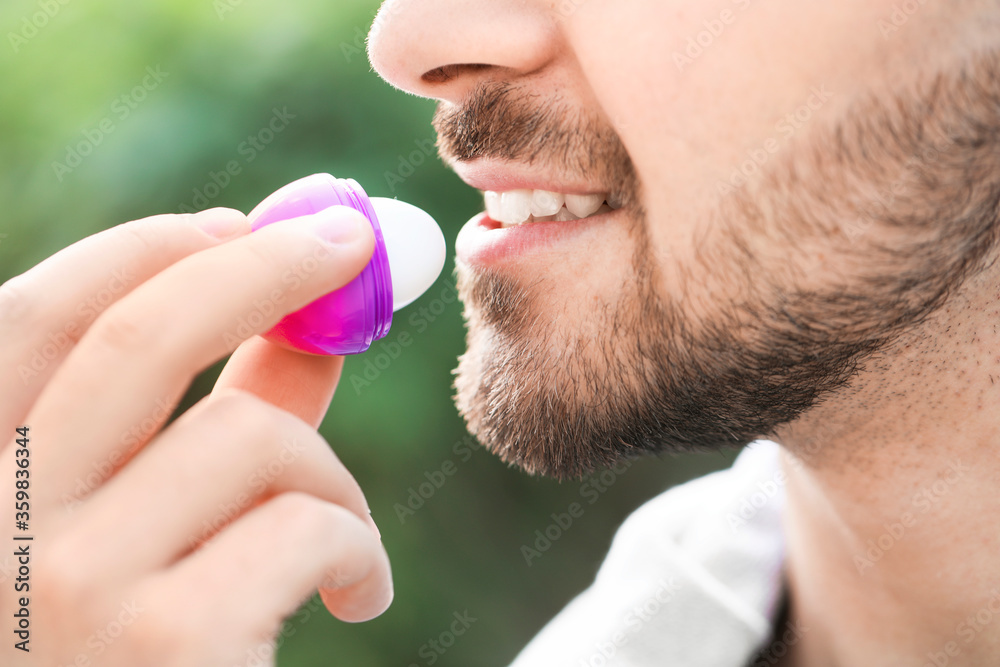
column 408, row 243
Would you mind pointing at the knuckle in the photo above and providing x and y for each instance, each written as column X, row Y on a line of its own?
column 324, row 525
column 16, row 302
column 146, row 234
column 164, row 235
column 300, row 505
column 245, row 412
column 306, row 514
column 261, row 431
column 163, row 631
column 121, row 330
column 63, row 582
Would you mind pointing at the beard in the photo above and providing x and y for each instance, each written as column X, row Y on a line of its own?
column 900, row 194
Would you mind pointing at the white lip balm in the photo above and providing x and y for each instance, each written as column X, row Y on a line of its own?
column 406, row 262
column 415, row 246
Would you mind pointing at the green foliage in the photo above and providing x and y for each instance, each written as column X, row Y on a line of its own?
column 222, row 68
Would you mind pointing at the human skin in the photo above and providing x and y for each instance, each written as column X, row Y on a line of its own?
column 159, row 531
column 913, row 428
column 903, row 433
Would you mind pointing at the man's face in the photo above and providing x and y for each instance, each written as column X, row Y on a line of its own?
column 794, row 184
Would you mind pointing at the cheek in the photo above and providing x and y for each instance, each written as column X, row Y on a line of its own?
column 713, row 87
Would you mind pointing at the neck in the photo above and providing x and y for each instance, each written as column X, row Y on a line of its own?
column 893, row 510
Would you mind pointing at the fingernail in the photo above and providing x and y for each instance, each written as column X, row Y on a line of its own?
column 339, row 224
column 222, row 223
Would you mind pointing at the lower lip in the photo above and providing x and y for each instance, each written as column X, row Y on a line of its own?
column 484, row 242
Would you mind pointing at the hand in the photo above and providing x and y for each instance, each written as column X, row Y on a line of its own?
column 185, row 545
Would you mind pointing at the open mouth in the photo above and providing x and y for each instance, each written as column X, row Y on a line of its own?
column 520, row 207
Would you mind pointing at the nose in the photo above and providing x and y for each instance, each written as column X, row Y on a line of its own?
column 443, row 49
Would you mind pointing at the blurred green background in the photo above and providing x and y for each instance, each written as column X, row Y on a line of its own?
column 83, row 149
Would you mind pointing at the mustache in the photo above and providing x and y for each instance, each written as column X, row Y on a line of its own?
column 501, row 121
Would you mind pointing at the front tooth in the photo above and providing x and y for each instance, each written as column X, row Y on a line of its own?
column 515, row 206
column 545, row 203
column 493, row 205
column 565, row 215
column 583, row 205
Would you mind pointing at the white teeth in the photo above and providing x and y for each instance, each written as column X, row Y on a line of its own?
column 515, row 206
column 565, row 215
column 545, row 203
column 583, row 206
column 493, row 205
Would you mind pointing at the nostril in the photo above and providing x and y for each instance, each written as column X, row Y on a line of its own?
column 449, row 72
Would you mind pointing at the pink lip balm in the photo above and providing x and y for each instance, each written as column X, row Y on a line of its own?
column 409, row 255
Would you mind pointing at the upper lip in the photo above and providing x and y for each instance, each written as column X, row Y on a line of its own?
column 503, row 176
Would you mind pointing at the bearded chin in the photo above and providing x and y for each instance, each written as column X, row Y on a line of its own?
column 508, row 397
column 561, row 404
column 515, row 416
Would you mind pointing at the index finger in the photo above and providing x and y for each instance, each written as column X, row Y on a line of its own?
column 145, row 349
column 47, row 309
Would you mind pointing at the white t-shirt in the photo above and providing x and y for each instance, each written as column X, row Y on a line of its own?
column 693, row 578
